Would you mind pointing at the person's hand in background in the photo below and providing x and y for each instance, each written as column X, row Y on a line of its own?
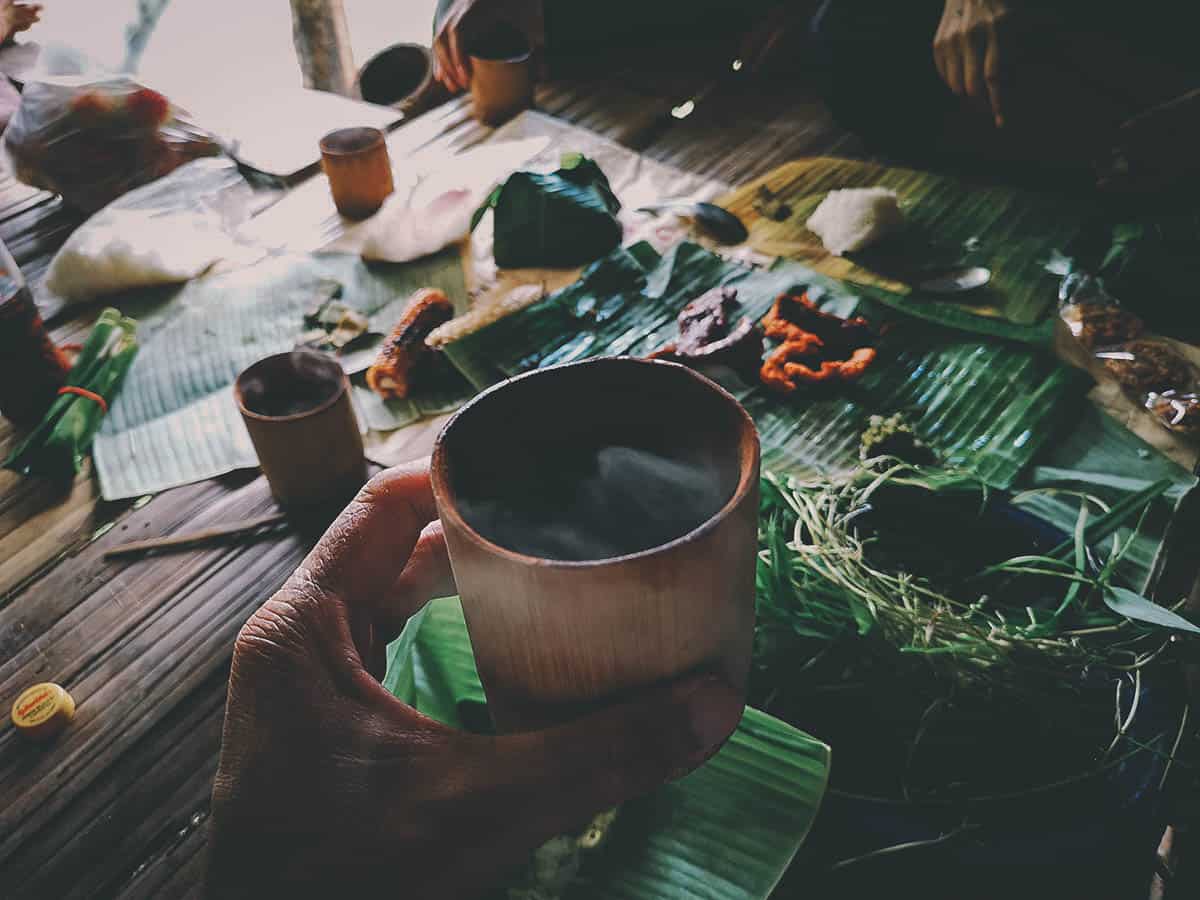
column 17, row 17
column 969, row 51
column 328, row 785
column 457, row 20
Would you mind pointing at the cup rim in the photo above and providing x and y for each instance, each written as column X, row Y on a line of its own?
column 403, row 46
column 239, row 397
column 501, row 60
column 447, row 507
column 377, row 137
column 521, row 57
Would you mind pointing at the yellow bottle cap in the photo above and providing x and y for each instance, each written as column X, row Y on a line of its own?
column 43, row 710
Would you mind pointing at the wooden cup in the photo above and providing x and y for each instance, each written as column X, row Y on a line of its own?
column 501, row 75
column 297, row 408
column 359, row 169
column 553, row 639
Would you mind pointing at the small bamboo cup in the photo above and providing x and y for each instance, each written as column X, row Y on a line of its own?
column 501, row 75
column 297, row 408
column 359, row 169
column 554, row 639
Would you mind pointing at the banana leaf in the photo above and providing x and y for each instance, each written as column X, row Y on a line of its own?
column 56, row 448
column 175, row 421
column 726, row 832
column 1101, row 458
column 987, row 406
column 560, row 220
column 950, row 222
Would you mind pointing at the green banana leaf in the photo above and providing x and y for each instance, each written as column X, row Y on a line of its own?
column 950, row 222
column 563, row 219
column 175, row 420
column 987, row 406
column 726, row 832
column 1101, row 458
column 56, row 448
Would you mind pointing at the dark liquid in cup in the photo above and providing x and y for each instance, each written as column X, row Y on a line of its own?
column 292, row 400
column 500, row 42
column 586, row 502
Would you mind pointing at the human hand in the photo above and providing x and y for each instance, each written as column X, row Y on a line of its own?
column 329, row 785
column 967, row 50
column 463, row 18
column 17, row 17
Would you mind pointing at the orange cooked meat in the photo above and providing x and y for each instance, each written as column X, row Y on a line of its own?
column 391, row 373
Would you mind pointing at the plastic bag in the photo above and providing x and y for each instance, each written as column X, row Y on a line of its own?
column 162, row 233
column 1151, row 370
column 93, row 138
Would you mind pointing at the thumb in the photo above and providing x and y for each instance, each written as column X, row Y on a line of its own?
column 565, row 775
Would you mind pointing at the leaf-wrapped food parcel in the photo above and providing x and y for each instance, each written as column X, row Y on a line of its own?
column 55, row 449
column 563, row 219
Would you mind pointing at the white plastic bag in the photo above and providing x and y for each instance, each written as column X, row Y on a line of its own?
column 166, row 232
column 92, row 138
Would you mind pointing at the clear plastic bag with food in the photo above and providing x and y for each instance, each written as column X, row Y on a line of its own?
column 1094, row 316
column 1177, row 410
column 1151, row 370
column 93, row 138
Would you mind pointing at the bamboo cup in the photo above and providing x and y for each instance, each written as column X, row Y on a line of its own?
column 552, row 638
column 297, row 408
column 359, row 169
column 501, row 75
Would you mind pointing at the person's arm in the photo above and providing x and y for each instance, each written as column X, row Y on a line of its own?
column 330, row 786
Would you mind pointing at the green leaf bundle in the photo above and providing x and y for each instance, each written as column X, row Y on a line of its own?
column 560, row 220
column 56, row 448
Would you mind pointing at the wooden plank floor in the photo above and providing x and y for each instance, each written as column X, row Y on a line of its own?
column 116, row 807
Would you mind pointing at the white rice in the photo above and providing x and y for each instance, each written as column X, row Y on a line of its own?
column 854, row 218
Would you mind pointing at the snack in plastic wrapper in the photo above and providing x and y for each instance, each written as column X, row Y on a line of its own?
column 92, row 139
column 1148, row 366
column 1096, row 324
column 1177, row 410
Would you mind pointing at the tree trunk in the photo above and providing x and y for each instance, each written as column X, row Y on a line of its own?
column 323, row 45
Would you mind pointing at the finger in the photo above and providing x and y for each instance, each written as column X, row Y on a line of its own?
column 447, row 69
column 973, row 85
column 991, row 77
column 441, row 69
column 458, row 57
column 567, row 774
column 426, row 575
column 959, row 61
column 952, row 67
column 364, row 552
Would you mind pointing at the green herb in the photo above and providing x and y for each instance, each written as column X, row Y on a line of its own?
column 820, row 571
column 563, row 219
column 56, row 448
column 886, row 625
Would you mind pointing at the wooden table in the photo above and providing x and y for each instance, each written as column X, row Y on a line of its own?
column 117, row 805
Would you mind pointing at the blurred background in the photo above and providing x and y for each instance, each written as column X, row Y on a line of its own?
column 181, row 45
